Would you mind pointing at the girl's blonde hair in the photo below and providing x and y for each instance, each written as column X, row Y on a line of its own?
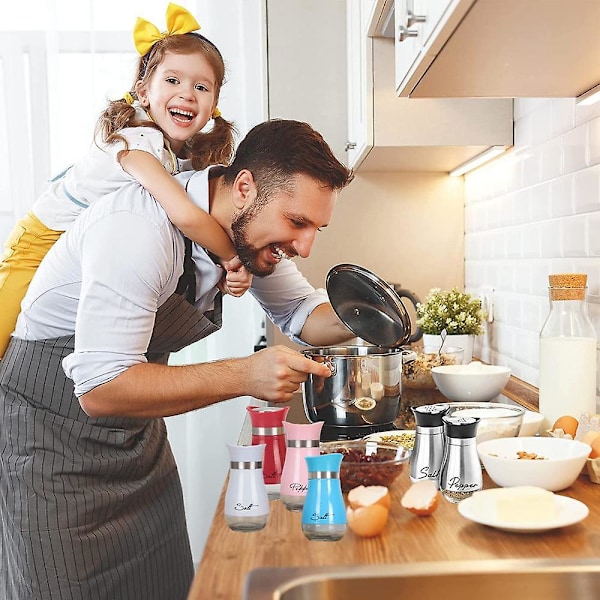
column 205, row 148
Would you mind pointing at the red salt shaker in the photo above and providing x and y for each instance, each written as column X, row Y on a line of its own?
column 267, row 428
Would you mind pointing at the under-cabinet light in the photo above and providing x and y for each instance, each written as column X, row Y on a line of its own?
column 478, row 160
column 590, row 97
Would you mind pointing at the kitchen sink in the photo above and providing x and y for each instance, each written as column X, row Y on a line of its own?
column 451, row 580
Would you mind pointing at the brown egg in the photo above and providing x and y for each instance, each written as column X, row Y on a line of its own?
column 594, row 443
column 568, row 424
column 367, row 521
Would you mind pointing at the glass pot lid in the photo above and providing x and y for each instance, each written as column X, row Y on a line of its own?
column 368, row 306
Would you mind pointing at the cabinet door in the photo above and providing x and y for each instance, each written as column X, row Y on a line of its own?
column 360, row 80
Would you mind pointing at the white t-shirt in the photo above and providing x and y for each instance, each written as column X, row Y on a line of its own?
column 99, row 173
column 106, row 277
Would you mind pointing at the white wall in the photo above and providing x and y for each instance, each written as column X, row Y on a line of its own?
column 532, row 212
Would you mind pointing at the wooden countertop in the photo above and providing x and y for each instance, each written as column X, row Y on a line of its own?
column 445, row 535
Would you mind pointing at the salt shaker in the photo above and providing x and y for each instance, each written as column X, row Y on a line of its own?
column 302, row 440
column 267, row 428
column 428, row 451
column 460, row 475
column 246, row 501
column 324, row 511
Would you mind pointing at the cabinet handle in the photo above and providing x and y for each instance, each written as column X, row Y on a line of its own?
column 405, row 33
column 350, row 146
column 411, row 18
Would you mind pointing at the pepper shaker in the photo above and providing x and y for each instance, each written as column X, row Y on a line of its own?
column 302, row 440
column 428, row 451
column 460, row 475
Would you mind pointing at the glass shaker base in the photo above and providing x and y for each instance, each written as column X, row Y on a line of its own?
column 324, row 533
column 273, row 490
column 293, row 503
column 246, row 523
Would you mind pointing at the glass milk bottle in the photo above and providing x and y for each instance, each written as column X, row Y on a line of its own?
column 324, row 511
column 302, row 440
column 567, row 352
column 246, row 501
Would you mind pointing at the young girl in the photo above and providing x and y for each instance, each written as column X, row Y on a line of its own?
column 177, row 86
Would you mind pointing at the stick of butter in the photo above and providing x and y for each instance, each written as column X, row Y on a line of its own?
column 519, row 505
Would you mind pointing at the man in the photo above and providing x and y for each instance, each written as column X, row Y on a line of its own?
column 91, row 502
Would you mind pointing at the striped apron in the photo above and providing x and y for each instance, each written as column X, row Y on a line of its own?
column 90, row 508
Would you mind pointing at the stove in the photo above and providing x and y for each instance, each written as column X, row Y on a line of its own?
column 334, row 433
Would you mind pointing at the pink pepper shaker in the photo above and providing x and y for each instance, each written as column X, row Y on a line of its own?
column 302, row 440
column 267, row 428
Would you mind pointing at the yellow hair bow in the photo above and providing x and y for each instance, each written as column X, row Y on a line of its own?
column 179, row 21
column 216, row 112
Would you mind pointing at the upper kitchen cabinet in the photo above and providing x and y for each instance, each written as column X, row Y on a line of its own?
column 306, row 66
column 387, row 133
column 492, row 48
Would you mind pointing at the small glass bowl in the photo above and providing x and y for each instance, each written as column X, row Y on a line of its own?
column 416, row 374
column 497, row 420
column 368, row 462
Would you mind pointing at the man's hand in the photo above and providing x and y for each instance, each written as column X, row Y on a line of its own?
column 276, row 373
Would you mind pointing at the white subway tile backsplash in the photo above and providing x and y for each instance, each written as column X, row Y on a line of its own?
column 575, row 149
column 562, row 112
column 551, row 159
column 531, row 169
column 593, row 232
column 541, row 207
column 532, row 212
column 561, row 196
column 551, row 238
column 574, row 236
column 531, row 241
column 541, row 119
column 586, row 190
column 594, row 141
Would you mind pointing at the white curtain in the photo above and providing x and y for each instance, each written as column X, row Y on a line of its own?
column 58, row 67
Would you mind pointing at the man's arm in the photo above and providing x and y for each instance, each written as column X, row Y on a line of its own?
column 324, row 328
column 154, row 390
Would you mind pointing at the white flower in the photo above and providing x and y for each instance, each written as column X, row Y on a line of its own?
column 456, row 312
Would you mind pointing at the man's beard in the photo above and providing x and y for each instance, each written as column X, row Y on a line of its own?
column 247, row 253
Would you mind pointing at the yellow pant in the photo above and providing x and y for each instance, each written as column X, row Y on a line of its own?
column 27, row 244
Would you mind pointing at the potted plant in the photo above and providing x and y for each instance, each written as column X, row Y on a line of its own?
column 457, row 313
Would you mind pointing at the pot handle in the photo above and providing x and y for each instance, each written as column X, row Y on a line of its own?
column 414, row 299
column 331, row 366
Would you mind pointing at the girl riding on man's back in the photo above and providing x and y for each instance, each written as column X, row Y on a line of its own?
column 149, row 135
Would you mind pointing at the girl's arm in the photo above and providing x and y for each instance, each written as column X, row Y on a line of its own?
column 194, row 222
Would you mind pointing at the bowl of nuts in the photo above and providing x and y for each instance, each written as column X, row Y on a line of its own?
column 546, row 462
column 368, row 462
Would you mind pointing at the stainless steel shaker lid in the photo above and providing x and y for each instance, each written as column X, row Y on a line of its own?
column 368, row 306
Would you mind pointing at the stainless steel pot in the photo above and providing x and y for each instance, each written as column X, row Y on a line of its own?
column 365, row 386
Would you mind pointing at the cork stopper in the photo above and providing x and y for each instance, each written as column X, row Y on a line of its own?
column 567, row 286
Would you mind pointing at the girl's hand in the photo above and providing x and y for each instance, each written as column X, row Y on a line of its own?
column 237, row 278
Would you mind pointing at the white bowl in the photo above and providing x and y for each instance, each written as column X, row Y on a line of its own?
column 558, row 465
column 531, row 423
column 474, row 382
